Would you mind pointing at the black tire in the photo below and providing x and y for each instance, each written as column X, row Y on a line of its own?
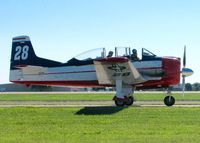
column 169, row 100
column 130, row 101
column 119, row 103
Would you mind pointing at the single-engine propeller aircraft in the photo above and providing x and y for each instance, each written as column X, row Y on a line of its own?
column 123, row 70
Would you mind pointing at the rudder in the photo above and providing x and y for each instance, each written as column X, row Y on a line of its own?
column 22, row 53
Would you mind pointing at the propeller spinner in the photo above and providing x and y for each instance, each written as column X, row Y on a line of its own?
column 185, row 71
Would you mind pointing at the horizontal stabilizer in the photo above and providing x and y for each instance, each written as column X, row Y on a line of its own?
column 33, row 70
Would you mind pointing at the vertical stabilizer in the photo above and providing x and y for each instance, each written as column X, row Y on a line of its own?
column 22, row 53
column 24, row 61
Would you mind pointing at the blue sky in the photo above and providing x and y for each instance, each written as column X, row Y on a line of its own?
column 62, row 29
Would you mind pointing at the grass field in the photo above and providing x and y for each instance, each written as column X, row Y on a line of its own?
column 96, row 96
column 99, row 124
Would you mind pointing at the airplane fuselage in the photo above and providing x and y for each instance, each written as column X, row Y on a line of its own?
column 159, row 72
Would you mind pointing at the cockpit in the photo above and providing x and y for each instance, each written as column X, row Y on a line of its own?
column 118, row 52
column 88, row 56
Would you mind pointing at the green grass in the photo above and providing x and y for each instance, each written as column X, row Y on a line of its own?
column 92, row 96
column 99, row 124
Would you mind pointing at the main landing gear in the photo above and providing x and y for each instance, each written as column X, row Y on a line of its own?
column 169, row 100
column 123, row 94
column 128, row 101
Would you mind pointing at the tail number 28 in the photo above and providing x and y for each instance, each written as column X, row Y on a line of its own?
column 21, row 52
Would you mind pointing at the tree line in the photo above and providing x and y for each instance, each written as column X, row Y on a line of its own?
column 192, row 87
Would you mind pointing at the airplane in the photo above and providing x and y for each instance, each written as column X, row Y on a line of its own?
column 123, row 70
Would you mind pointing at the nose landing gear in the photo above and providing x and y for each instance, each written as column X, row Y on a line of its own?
column 169, row 100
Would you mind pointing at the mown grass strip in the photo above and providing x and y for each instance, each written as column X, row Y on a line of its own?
column 97, row 124
column 92, row 96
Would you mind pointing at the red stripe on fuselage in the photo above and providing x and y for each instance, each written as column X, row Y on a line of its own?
column 62, row 83
column 19, row 39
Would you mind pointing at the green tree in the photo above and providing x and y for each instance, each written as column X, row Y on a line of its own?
column 188, row 87
column 196, row 86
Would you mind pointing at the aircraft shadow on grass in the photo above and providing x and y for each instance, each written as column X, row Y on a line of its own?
column 99, row 110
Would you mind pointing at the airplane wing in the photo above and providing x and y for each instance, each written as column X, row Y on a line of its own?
column 110, row 69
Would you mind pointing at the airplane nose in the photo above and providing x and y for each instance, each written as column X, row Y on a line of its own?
column 172, row 69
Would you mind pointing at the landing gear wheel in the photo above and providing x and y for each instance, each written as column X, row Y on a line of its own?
column 169, row 100
column 119, row 103
column 130, row 101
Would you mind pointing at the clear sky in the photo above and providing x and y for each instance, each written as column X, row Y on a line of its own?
column 61, row 29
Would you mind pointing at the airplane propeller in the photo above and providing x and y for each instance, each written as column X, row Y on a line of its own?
column 185, row 71
column 184, row 57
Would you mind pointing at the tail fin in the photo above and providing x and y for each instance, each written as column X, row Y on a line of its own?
column 24, row 60
column 23, row 55
column 22, row 52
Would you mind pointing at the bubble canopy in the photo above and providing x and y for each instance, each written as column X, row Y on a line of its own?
column 92, row 54
column 117, row 52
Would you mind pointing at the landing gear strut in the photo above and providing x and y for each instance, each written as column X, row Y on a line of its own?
column 169, row 100
column 123, row 94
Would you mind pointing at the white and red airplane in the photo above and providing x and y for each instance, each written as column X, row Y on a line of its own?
column 93, row 68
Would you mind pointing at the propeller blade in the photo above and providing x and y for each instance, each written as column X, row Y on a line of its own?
column 185, row 71
column 184, row 57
